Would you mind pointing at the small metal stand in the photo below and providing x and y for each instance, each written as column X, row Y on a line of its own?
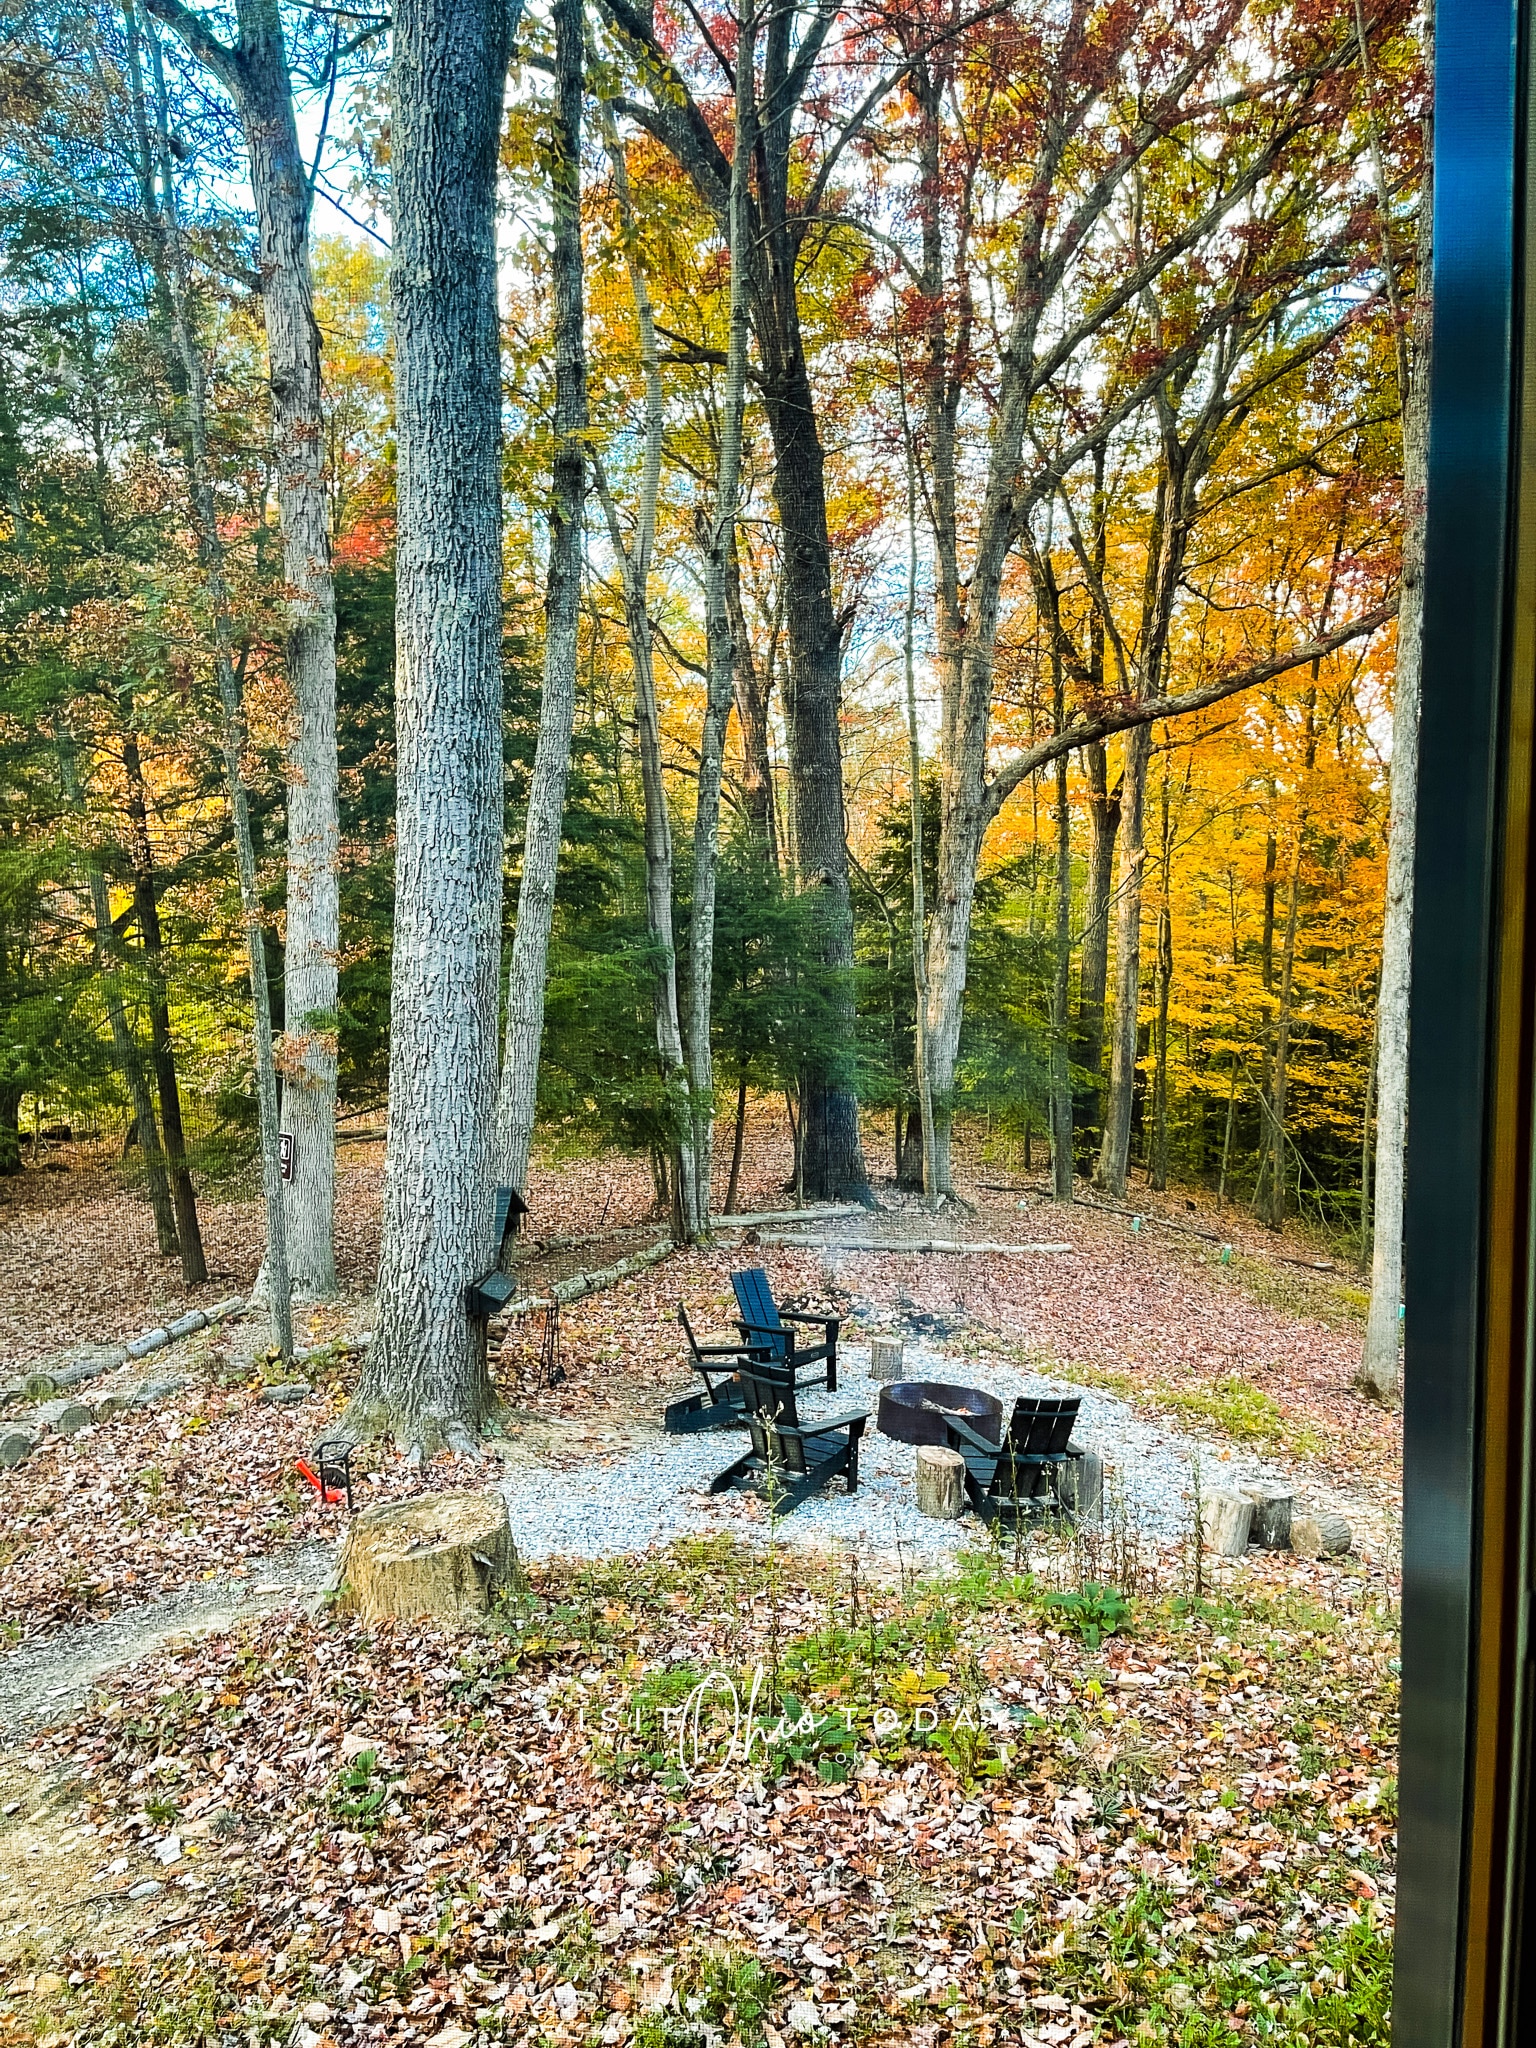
column 335, row 1461
column 551, row 1367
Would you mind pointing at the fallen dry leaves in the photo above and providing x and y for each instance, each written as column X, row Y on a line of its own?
column 387, row 1834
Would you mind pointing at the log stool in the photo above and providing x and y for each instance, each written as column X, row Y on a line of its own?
column 940, row 1482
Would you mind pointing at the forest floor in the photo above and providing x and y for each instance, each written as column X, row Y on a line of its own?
column 1001, row 1808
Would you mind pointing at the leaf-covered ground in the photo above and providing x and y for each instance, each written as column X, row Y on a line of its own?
column 963, row 1818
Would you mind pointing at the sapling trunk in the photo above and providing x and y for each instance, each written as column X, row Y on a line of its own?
column 518, row 1093
column 721, row 650
column 194, row 421
column 635, row 557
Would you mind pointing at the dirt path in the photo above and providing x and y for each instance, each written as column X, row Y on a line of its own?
column 45, row 1680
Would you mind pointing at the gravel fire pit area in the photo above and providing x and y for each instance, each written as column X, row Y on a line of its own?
column 657, row 1493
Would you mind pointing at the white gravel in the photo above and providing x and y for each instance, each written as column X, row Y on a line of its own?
column 653, row 1496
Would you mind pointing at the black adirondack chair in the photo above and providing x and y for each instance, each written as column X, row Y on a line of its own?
column 720, row 1405
column 790, row 1458
column 1019, row 1475
column 768, row 1330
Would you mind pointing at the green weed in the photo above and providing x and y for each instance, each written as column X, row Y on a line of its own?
column 1094, row 1613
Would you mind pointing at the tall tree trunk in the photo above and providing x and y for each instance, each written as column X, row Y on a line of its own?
column 518, row 1094
column 752, row 694
column 737, row 1142
column 831, row 1157
column 194, row 411
column 125, row 1046
column 1093, row 978
column 425, row 1378
column 921, row 1060
column 1164, row 991
column 255, row 71
column 1273, row 1203
column 721, row 651
column 1115, row 1148
column 1159, row 1162
column 146, row 904
column 1381, row 1373
column 636, row 560
column 1061, row 1061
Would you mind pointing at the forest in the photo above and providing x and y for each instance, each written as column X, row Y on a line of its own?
column 1027, row 489
column 757, row 622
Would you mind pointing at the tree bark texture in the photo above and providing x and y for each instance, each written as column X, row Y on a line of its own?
column 1381, row 1373
column 753, row 687
column 720, row 645
column 425, row 1378
column 1093, row 978
column 255, row 72
column 1115, row 1148
column 1061, row 1064
column 162, row 1051
column 635, row 557
column 518, row 1094
column 926, row 1178
column 830, row 1157
column 194, row 409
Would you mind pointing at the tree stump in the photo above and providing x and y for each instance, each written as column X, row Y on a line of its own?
column 1226, row 1520
column 1271, row 1516
column 447, row 1555
column 940, row 1482
column 886, row 1360
column 16, row 1446
column 63, row 1416
column 1080, row 1487
column 1321, row 1535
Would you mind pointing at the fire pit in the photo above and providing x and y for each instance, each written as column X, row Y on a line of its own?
column 903, row 1412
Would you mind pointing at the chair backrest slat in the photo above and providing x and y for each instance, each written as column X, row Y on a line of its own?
column 773, row 1418
column 682, row 1317
column 1066, row 1416
column 754, row 1297
column 1040, row 1427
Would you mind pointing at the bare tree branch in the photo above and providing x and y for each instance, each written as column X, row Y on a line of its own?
column 1151, row 709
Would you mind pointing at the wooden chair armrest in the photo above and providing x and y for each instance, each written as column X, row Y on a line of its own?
column 796, row 1315
column 854, row 1419
column 974, row 1438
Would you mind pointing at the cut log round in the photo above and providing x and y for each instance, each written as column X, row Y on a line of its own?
column 1226, row 1521
column 940, row 1482
column 447, row 1555
column 1080, row 1487
column 16, row 1446
column 1321, row 1536
column 1271, row 1516
column 63, row 1416
column 886, row 1356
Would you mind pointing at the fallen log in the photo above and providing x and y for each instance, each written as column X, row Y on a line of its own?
column 822, row 1215
column 951, row 1247
column 579, row 1284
